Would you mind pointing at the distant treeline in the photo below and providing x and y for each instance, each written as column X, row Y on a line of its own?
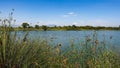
column 74, row 27
column 26, row 26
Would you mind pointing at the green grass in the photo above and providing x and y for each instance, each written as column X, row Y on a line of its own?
column 38, row 53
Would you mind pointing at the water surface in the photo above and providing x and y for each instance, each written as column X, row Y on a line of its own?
column 66, row 38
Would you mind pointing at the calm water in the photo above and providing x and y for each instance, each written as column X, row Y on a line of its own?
column 66, row 38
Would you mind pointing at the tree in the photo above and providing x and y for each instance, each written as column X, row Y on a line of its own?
column 44, row 27
column 30, row 26
column 37, row 26
column 25, row 25
column 74, row 26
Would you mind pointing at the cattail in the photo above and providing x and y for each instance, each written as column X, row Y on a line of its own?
column 25, row 37
column 59, row 44
column 88, row 62
column 96, row 42
column 88, row 38
column 65, row 61
column 57, row 48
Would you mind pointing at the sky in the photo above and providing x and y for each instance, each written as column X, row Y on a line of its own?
column 63, row 12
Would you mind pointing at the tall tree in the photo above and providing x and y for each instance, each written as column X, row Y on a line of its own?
column 44, row 27
column 25, row 25
column 37, row 26
column 74, row 26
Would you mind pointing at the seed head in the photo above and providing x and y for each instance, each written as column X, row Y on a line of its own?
column 96, row 42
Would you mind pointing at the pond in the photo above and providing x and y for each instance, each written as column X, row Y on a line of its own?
column 66, row 38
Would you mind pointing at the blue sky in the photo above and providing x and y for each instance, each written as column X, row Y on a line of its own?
column 63, row 12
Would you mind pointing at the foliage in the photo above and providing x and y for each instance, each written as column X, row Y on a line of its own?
column 25, row 25
column 73, row 27
column 37, row 26
column 21, row 53
column 44, row 27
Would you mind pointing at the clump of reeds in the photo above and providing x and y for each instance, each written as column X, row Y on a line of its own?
column 92, row 54
column 20, row 53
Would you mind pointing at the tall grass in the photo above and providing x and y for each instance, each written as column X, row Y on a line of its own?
column 27, row 53
column 20, row 53
column 93, row 54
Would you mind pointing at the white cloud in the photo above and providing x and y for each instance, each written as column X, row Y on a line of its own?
column 65, row 16
column 96, row 22
column 75, row 23
column 70, row 14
